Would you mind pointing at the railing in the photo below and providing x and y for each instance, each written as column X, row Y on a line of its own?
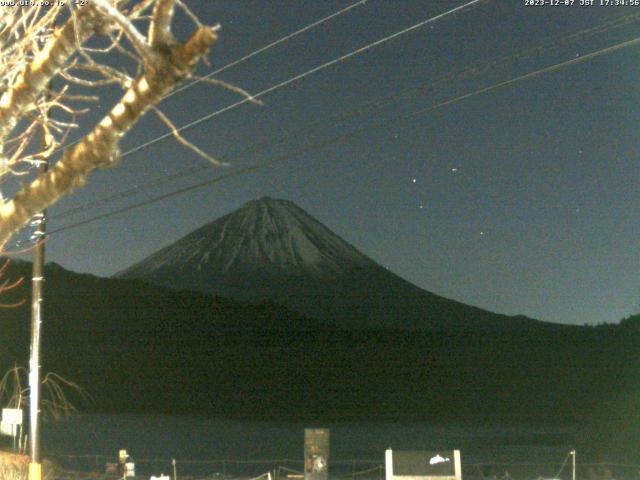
column 72, row 467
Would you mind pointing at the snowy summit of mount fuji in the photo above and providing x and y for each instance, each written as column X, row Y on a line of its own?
column 263, row 235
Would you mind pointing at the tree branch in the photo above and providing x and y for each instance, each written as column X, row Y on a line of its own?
column 35, row 76
column 160, row 29
column 135, row 37
column 100, row 147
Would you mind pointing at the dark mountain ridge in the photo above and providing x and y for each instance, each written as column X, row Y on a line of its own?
column 136, row 347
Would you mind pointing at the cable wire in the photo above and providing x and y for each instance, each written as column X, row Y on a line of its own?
column 342, row 136
column 265, row 48
column 245, row 58
column 301, row 76
column 474, row 70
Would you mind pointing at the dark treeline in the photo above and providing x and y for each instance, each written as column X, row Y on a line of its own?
column 141, row 348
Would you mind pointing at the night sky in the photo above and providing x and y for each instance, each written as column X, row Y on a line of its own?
column 521, row 200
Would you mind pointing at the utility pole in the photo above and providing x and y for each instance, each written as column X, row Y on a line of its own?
column 37, row 284
column 37, row 280
column 573, row 454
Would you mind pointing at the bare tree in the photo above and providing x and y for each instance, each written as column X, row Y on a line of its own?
column 56, row 402
column 7, row 284
column 69, row 43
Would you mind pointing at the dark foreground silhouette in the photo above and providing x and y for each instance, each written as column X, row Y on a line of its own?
column 141, row 348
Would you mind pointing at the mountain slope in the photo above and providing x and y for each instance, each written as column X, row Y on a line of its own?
column 272, row 250
column 137, row 347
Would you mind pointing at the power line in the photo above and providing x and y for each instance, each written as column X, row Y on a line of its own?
column 308, row 73
column 266, row 47
column 247, row 57
column 303, row 75
column 352, row 133
column 550, row 43
column 557, row 66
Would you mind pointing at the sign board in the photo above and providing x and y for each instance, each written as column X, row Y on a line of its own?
column 423, row 465
column 12, row 416
column 11, row 420
column 161, row 477
column 8, row 429
column 129, row 469
column 316, row 453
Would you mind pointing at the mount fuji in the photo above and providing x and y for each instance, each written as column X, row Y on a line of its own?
column 270, row 250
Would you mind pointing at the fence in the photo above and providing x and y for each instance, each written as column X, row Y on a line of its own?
column 72, row 467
